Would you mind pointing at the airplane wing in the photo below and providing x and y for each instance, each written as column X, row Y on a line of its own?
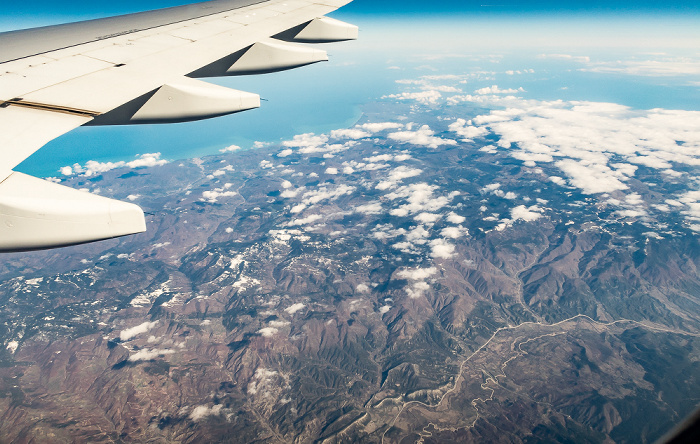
column 132, row 69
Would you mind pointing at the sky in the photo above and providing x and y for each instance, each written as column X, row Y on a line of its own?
column 52, row 11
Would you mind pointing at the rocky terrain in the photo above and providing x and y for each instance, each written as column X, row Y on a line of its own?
column 391, row 282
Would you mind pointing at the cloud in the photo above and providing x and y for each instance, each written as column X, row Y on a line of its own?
column 466, row 130
column 129, row 333
column 396, row 175
column 440, row 248
column 427, row 218
column 429, row 97
column 202, row 411
column 416, row 274
column 93, row 168
column 419, row 197
column 350, row 133
column 370, row 208
column 417, row 290
column 313, row 197
column 521, row 213
column 230, row 149
column 376, row 127
column 279, row 324
column 597, row 146
column 494, row 89
column 384, row 309
column 262, row 377
column 147, row 355
column 285, row 152
column 527, row 214
column 422, row 137
column 331, row 170
column 567, row 57
column 362, row 288
column 306, row 140
column 294, row 308
column 454, row 232
column 306, row 220
column 212, row 196
column 455, row 218
column 268, row 332
column 668, row 67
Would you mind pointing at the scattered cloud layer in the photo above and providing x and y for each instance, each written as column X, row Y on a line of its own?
column 95, row 168
column 423, row 136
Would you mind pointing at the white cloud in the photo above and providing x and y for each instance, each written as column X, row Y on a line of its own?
column 92, row 167
column 419, row 197
column 455, row 218
column 521, row 212
column 12, row 346
column 397, row 175
column 306, row 220
column 422, row 137
column 331, row 170
column 370, row 208
column 649, row 68
column 306, row 140
column 528, row 214
column 322, row 193
column 416, row 274
column 440, row 248
column 362, row 288
column 417, row 290
column 350, row 133
column 129, row 333
column 454, row 232
column 428, row 97
column 268, row 332
column 279, row 324
column 494, row 89
column 466, row 130
column 146, row 354
column 384, row 309
column 285, row 152
column 212, row 196
column 567, row 57
column 598, row 146
column 427, row 218
column 294, row 308
column 202, row 411
column 376, row 127
column 230, row 149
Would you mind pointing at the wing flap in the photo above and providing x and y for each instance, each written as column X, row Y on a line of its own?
column 35, row 214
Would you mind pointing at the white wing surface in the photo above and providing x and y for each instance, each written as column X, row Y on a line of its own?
column 137, row 68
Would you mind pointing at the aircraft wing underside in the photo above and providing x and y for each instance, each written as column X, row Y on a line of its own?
column 138, row 68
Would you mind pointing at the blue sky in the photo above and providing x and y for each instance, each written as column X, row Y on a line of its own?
column 72, row 8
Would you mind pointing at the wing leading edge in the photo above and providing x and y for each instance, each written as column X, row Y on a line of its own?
column 138, row 68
